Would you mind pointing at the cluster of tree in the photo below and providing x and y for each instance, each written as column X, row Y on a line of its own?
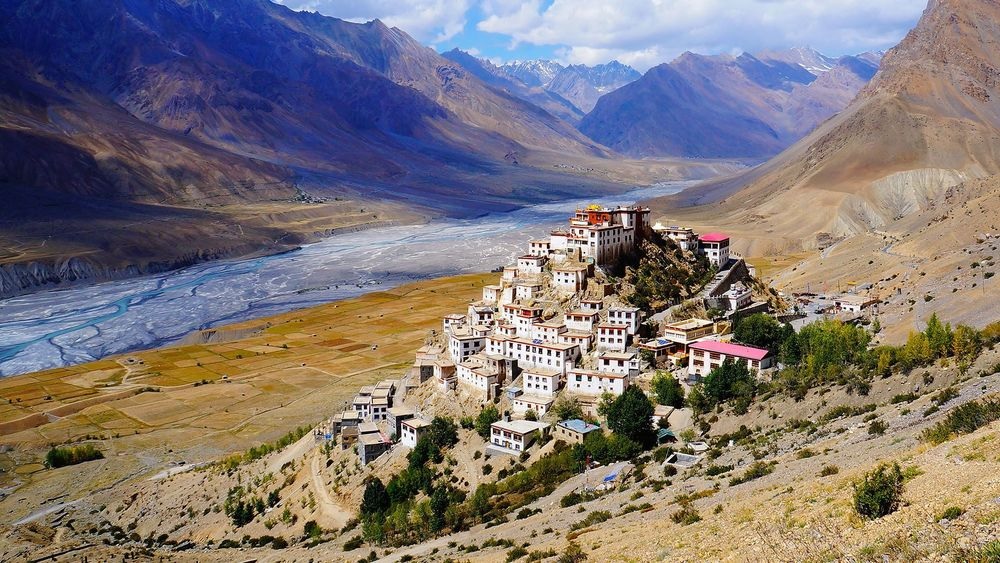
column 662, row 275
column 629, row 415
column 732, row 381
column 72, row 455
column 831, row 352
column 485, row 420
column 231, row 462
column 242, row 509
column 390, row 513
column 668, row 390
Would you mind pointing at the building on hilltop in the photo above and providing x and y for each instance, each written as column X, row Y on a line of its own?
column 611, row 336
column 411, row 430
column 594, row 383
column 631, row 317
column 521, row 404
column 623, row 363
column 715, row 246
column 684, row 237
column 710, row 354
column 541, row 382
column 540, row 354
column 514, row 436
column 371, row 446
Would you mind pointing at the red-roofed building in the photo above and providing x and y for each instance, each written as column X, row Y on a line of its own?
column 707, row 355
column 716, row 247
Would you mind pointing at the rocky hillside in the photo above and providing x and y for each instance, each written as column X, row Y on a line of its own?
column 933, row 114
column 723, row 106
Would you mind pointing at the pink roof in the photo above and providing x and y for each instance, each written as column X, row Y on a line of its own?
column 729, row 349
column 714, row 237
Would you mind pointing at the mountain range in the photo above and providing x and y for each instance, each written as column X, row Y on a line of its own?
column 724, row 106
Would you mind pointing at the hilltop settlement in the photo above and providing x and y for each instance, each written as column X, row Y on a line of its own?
column 556, row 325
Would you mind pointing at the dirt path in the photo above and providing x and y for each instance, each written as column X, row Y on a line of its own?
column 327, row 505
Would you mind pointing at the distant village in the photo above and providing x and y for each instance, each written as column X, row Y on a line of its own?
column 554, row 325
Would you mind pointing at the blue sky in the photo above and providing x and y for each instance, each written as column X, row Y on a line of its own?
column 642, row 33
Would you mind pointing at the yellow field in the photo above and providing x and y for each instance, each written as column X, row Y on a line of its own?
column 300, row 367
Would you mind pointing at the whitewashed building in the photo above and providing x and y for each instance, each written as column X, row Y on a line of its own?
column 535, row 403
column 410, row 431
column 515, row 436
column 541, row 382
column 613, row 337
column 463, row 344
column 570, row 278
column 545, row 355
column 595, row 383
column 628, row 316
column 582, row 320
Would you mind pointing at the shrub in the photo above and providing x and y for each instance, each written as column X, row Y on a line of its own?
column 591, row 519
column 805, row 453
column 951, row 513
column 879, row 492
column 944, row 395
column 964, row 420
column 877, row 428
column 686, row 515
column 353, row 543
column 829, row 470
column 312, row 529
column 571, row 499
column 904, row 398
column 72, row 455
column 757, row 470
column 516, row 553
column 572, row 554
column 714, row 470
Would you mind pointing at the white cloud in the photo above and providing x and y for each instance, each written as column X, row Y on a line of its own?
column 642, row 33
column 430, row 21
column 647, row 32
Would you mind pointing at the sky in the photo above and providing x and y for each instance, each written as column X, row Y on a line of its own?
column 641, row 33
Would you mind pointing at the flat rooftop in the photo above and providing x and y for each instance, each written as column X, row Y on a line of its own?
column 690, row 324
column 520, row 426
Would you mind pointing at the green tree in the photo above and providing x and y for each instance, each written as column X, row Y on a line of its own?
column 938, row 337
column 425, row 450
column 761, row 330
column 486, row 418
column 966, row 344
column 728, row 381
column 916, row 351
column 668, row 390
column 630, row 415
column 530, row 415
column 697, row 400
column 443, row 432
column 375, row 500
column 567, row 408
column 439, row 506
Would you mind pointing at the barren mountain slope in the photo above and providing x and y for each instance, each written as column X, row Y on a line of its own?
column 927, row 121
column 722, row 106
